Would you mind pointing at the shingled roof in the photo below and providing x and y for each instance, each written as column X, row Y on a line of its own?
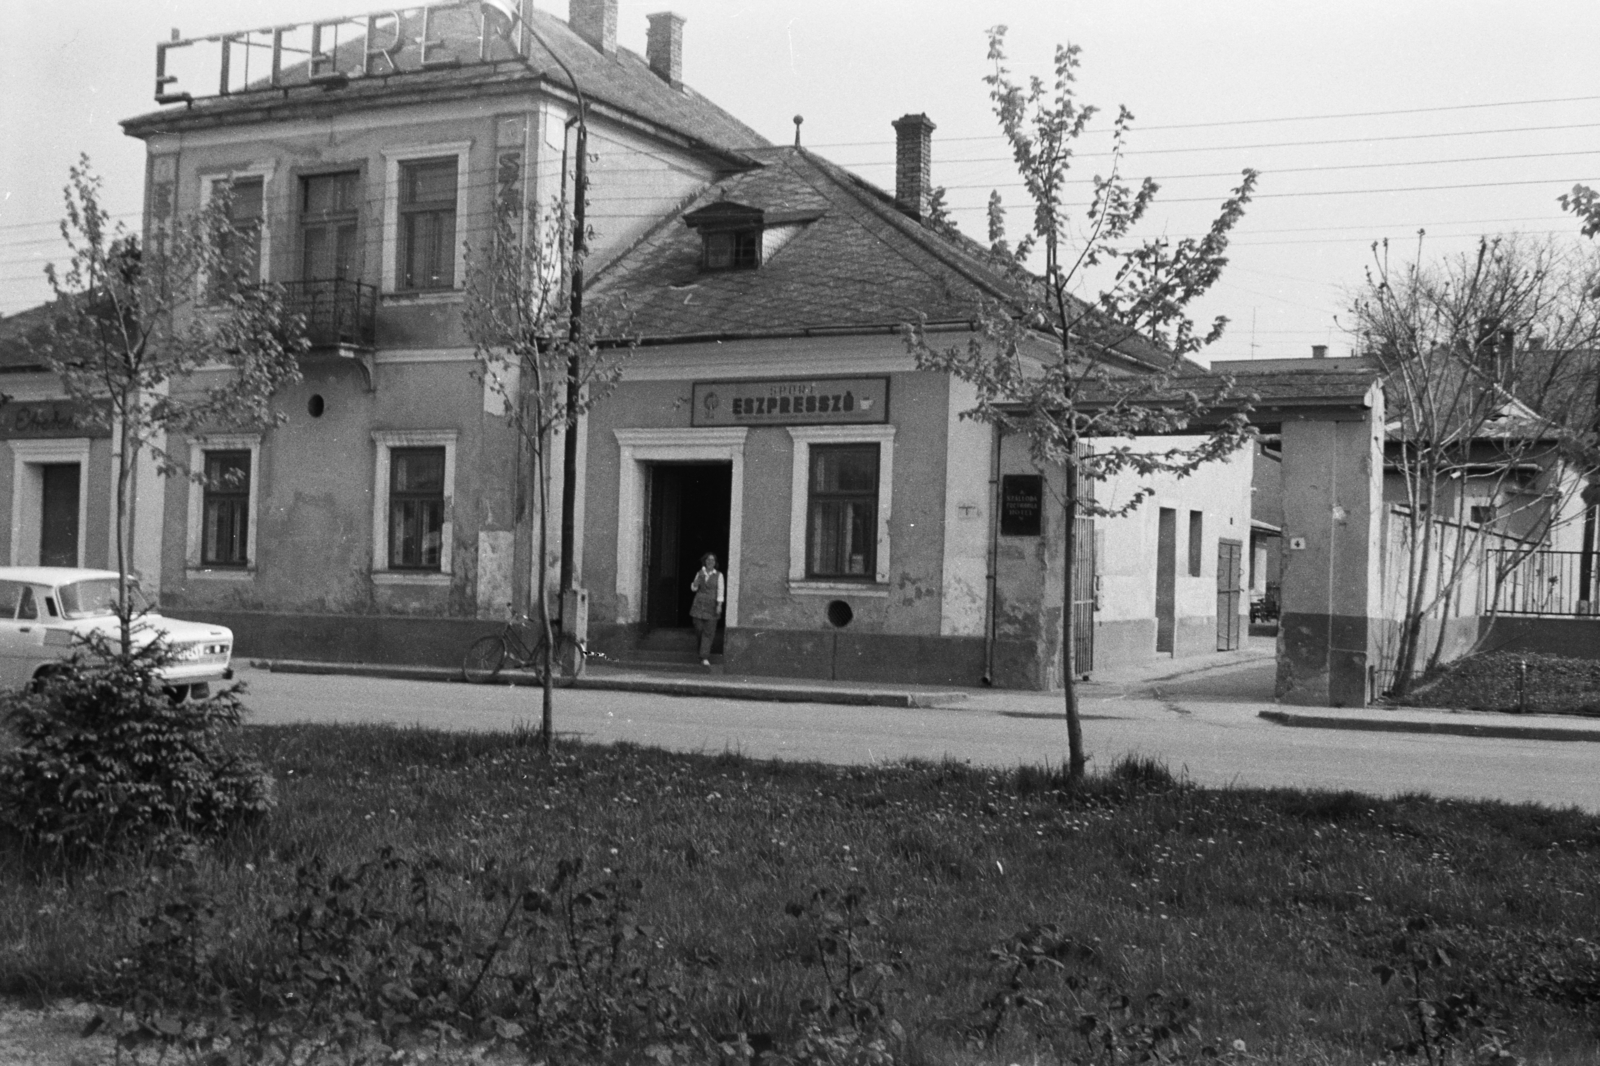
column 622, row 81
column 851, row 261
column 842, row 258
column 18, row 335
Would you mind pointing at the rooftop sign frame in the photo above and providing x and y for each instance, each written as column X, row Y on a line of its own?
column 332, row 53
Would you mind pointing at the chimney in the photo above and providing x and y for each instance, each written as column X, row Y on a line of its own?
column 664, row 47
column 912, row 164
column 1319, row 351
column 596, row 22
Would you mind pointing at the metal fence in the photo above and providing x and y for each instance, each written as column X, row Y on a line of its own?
column 1540, row 582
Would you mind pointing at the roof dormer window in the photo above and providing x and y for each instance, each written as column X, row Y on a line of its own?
column 738, row 237
column 733, row 250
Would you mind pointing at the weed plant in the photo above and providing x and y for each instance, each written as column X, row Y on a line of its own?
column 418, row 891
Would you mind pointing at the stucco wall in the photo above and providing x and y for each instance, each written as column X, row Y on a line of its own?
column 908, row 603
column 315, row 497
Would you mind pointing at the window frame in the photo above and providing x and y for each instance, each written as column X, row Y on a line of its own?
column 820, row 498
column 386, row 443
column 195, row 551
column 752, row 235
column 264, row 230
column 414, row 215
column 803, row 439
column 305, row 224
column 394, row 160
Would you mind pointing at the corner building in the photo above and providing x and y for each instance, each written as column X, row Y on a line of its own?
column 771, row 412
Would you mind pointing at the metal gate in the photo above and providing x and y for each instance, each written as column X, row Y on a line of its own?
column 1230, row 553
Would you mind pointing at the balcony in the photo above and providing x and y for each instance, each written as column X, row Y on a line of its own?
column 341, row 319
column 339, row 313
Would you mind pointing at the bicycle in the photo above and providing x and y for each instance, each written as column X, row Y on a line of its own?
column 487, row 656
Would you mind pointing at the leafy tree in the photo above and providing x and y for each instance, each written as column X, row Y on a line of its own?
column 168, row 336
column 541, row 361
column 1480, row 354
column 1053, row 368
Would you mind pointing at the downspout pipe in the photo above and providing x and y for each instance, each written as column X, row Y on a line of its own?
column 990, row 611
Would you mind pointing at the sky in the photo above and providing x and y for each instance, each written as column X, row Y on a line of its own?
column 1369, row 119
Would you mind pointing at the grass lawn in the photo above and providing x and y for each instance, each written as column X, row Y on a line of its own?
column 1254, row 921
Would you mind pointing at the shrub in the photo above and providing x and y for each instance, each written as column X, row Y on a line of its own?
column 106, row 759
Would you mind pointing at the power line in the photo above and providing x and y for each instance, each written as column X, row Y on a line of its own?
column 1285, row 118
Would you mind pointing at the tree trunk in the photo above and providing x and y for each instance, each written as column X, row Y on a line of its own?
column 124, row 607
column 1076, row 760
column 542, row 584
column 1411, row 625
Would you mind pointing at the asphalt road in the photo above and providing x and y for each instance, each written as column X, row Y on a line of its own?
column 1205, row 726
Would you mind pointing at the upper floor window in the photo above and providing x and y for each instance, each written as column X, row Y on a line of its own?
column 240, row 242
column 427, row 224
column 330, row 212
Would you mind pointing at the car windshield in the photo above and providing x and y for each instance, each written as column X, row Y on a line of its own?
column 97, row 597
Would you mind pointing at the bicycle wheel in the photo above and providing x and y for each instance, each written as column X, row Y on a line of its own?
column 484, row 659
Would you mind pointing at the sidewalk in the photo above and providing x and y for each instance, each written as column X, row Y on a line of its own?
column 1202, row 679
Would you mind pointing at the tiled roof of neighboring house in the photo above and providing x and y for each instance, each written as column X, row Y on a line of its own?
column 841, row 258
column 15, row 333
column 623, row 81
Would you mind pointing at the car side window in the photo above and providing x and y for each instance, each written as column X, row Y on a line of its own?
column 10, row 593
column 27, row 606
column 50, row 606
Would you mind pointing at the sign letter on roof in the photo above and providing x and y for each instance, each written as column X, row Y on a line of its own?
column 791, row 402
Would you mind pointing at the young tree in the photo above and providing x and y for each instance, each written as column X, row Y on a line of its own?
column 1053, row 368
column 540, row 360
column 1479, row 353
column 168, row 336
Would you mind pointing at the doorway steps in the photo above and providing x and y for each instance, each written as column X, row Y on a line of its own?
column 664, row 649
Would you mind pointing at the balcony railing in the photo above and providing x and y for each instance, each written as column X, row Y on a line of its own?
column 339, row 313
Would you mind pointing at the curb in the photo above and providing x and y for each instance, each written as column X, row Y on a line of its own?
column 1460, row 729
column 695, row 687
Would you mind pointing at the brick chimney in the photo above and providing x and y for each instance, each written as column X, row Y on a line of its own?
column 596, row 22
column 1319, row 351
column 913, row 157
column 664, row 47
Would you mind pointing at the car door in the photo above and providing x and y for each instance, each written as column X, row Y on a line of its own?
column 19, row 650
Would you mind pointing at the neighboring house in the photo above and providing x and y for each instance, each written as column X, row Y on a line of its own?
column 56, row 476
column 772, row 413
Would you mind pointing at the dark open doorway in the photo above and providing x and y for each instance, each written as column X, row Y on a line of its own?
column 1166, row 579
column 58, row 515
column 689, row 507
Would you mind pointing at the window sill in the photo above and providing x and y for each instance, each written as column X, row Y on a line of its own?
column 814, row 587
column 410, row 577
column 219, row 573
column 431, row 296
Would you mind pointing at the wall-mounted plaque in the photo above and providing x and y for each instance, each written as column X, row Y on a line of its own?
column 791, row 402
column 1021, row 505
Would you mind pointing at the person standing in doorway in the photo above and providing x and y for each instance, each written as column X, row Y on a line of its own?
column 710, row 590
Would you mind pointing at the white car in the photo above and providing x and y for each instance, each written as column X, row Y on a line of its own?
column 47, row 612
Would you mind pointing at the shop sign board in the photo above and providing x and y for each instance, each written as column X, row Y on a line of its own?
column 1021, row 505
column 791, row 402
column 47, row 418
